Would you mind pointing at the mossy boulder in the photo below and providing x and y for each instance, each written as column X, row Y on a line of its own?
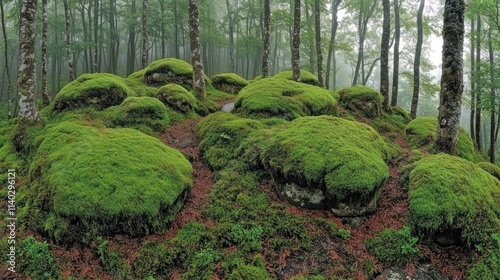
column 361, row 100
column 491, row 168
column 273, row 97
column 86, row 182
column 229, row 82
column 453, row 200
column 326, row 163
column 169, row 70
column 306, row 77
column 98, row 90
column 422, row 132
column 176, row 97
column 135, row 111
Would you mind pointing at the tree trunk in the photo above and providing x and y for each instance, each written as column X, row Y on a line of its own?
column 472, row 81
column 26, row 76
column 493, row 123
column 296, row 42
column 194, row 42
column 231, row 37
column 363, row 19
column 267, row 39
column 416, row 66
column 6, row 65
column 69, row 52
column 319, row 54
column 384, row 54
column 479, row 85
column 451, row 78
column 395, row 69
column 131, row 40
column 335, row 23
column 45, row 92
column 96, row 41
column 144, row 57
column 311, row 38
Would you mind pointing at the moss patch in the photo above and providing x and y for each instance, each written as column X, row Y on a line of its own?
column 176, row 97
column 229, row 82
column 491, row 168
column 273, row 97
column 98, row 90
column 306, row 77
column 136, row 82
column 86, row 182
column 361, row 100
column 169, row 70
column 450, row 194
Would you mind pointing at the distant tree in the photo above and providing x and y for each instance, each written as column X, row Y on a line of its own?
column 416, row 65
column 472, row 80
column 6, row 63
column 384, row 54
column 69, row 52
column 395, row 69
column 131, row 50
column 231, row 36
column 450, row 101
column 267, row 38
column 296, row 41
column 331, row 56
column 365, row 13
column 194, row 39
column 45, row 91
column 144, row 57
column 26, row 76
column 317, row 32
column 479, row 85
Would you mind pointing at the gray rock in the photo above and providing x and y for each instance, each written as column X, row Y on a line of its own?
column 228, row 107
column 424, row 272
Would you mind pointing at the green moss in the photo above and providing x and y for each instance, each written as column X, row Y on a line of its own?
column 452, row 194
column 176, row 97
column 488, row 267
column 325, row 152
column 306, row 77
column 273, row 97
column 112, row 262
column 98, row 90
column 136, row 111
column 361, row 100
column 229, row 82
column 403, row 113
column 247, row 272
column 86, row 182
column 135, row 81
column 422, row 132
column 35, row 259
column 491, row 168
column 174, row 65
column 221, row 134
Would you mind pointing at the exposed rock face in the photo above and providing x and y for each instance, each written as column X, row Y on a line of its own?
column 228, row 107
column 168, row 77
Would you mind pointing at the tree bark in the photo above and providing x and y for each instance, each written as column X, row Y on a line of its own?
column 144, row 57
column 267, row 39
column 451, row 78
column 231, row 37
column 296, row 42
column 45, row 91
column 26, row 76
column 493, row 124
column 335, row 23
column 395, row 69
column 69, row 52
column 472, row 82
column 363, row 19
column 194, row 42
column 6, row 64
column 96, row 41
column 384, row 54
column 319, row 54
column 416, row 65
column 131, row 40
column 479, row 85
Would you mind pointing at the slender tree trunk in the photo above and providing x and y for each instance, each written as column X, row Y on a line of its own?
column 335, row 23
column 231, row 37
column 451, row 78
column 363, row 19
column 416, row 66
column 6, row 65
column 26, row 76
column 194, row 42
column 311, row 38
column 45, row 91
column 85, row 31
column 69, row 52
column 395, row 69
column 144, row 57
column 384, row 54
column 267, row 38
column 493, row 123
column 296, row 42
column 479, row 85
column 131, row 40
column 319, row 54
column 96, row 41
column 472, row 81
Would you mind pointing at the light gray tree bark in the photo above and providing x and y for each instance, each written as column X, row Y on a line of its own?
column 69, row 52
column 296, row 42
column 416, row 65
column 144, row 57
column 6, row 63
column 395, row 69
column 384, row 54
column 194, row 42
column 331, row 55
column 317, row 31
column 267, row 39
column 45, row 91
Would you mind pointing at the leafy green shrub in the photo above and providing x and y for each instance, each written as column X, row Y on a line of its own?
column 488, row 267
column 491, row 168
column 35, row 259
column 229, row 82
column 450, row 193
column 98, row 90
column 177, row 97
column 135, row 111
column 361, row 100
column 272, row 97
column 86, row 182
column 394, row 247
column 306, row 77
column 111, row 262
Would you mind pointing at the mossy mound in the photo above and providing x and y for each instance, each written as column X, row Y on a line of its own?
column 402, row 112
column 453, row 200
column 135, row 81
column 169, row 70
column 306, row 77
column 98, row 90
column 422, row 132
column 176, row 97
column 221, row 134
column 135, row 111
column 326, row 163
column 361, row 100
column 86, row 182
column 491, row 168
column 229, row 82
column 273, row 97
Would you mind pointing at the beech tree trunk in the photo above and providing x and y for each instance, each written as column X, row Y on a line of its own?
column 6, row 64
column 69, row 52
column 45, row 91
column 416, row 65
column 363, row 18
column 267, row 39
column 384, row 54
column 131, row 40
column 26, row 76
column 472, row 81
column 317, row 27
column 194, row 42
column 395, row 69
column 450, row 98
column 330, row 57
column 296, row 42
column 231, row 37
column 479, row 84
column 493, row 124
column 144, row 57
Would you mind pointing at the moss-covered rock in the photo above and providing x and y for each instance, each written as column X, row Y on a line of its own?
column 452, row 199
column 86, row 182
column 135, row 111
column 98, row 90
column 327, row 163
column 273, row 97
column 229, row 82
column 177, row 97
column 491, row 168
column 361, row 100
column 169, row 70
column 135, row 81
column 422, row 132
column 306, row 77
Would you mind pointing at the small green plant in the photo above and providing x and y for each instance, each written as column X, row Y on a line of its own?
column 112, row 262
column 36, row 260
column 247, row 236
column 488, row 267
